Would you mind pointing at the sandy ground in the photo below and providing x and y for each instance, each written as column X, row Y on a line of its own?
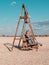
column 19, row 57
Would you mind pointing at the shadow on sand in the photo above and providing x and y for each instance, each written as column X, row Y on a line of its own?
column 9, row 46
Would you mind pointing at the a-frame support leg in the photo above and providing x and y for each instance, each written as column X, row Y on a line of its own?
column 33, row 37
column 15, row 34
column 21, row 34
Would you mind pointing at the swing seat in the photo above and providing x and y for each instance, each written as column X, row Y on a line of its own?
column 25, row 45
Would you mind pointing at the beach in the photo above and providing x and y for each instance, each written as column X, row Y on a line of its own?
column 19, row 57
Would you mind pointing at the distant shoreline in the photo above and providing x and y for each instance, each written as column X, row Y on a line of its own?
column 19, row 36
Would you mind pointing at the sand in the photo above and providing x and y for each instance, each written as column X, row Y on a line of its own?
column 19, row 57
